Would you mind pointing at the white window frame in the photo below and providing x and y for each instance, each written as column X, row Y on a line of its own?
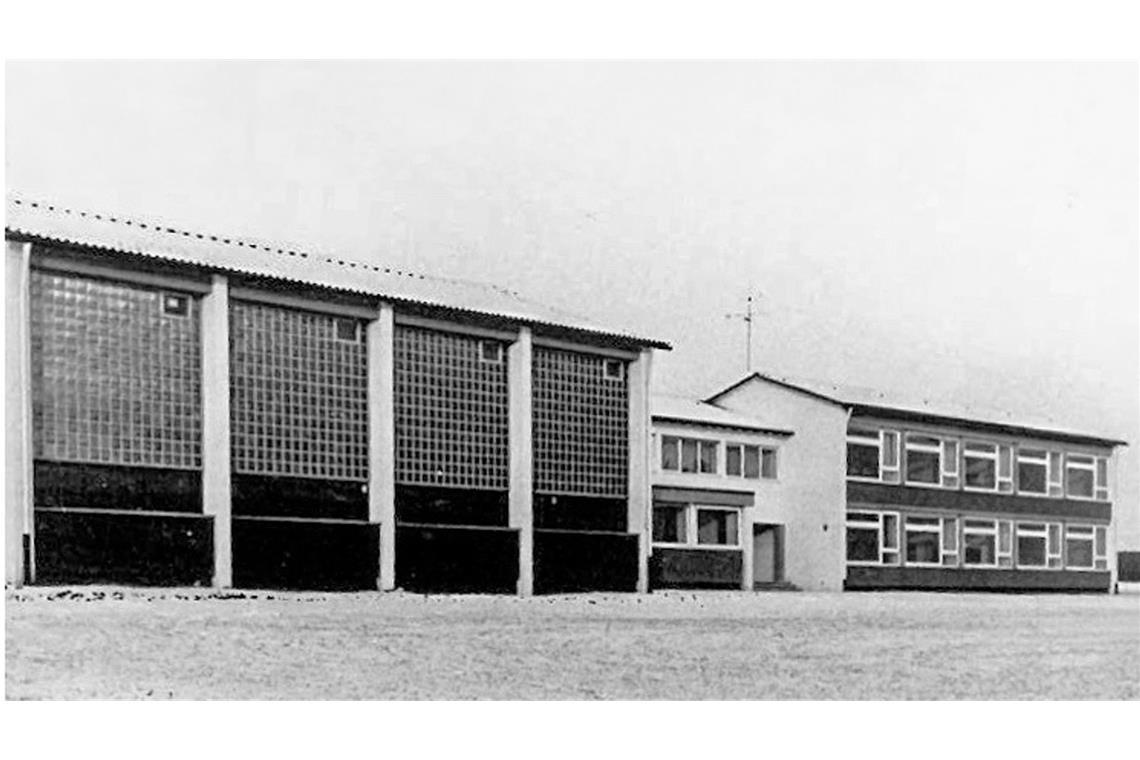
column 608, row 375
column 991, row 456
column 1056, row 487
column 1005, row 479
column 880, row 523
column 774, row 451
column 1020, row 456
column 952, row 474
column 920, row 528
column 925, row 448
column 701, row 444
column 1100, row 558
column 182, row 299
column 978, row 530
column 868, row 441
column 694, row 525
column 685, row 508
column 1100, row 485
column 356, row 331
column 1007, row 554
column 892, row 442
column 1089, row 466
column 691, row 525
column 676, row 439
column 1052, row 551
column 1081, row 532
column 483, row 345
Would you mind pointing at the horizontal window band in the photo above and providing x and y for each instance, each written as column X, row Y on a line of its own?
column 437, row 526
column 313, row 520
column 122, row 512
column 711, row 498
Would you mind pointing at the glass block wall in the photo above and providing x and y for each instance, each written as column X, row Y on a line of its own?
column 298, row 394
column 116, row 380
column 451, row 410
column 581, row 425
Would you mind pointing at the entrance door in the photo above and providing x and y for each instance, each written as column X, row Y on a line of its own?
column 767, row 553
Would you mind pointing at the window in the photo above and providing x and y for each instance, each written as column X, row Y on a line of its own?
column 175, row 304
column 718, row 527
column 491, row 352
column 890, row 456
column 1005, row 468
column 696, row 525
column 1005, row 543
column 1056, row 474
column 669, row 524
column 979, row 543
column 1080, row 476
column 1101, row 547
column 347, row 330
column 924, row 541
column 873, row 538
column 1079, row 546
column 863, row 451
column 1033, row 471
column 1038, row 545
column 768, row 463
column 688, row 454
column 670, row 452
column 981, row 466
column 923, row 459
column 741, row 460
column 1102, row 478
column 949, row 463
column 614, row 369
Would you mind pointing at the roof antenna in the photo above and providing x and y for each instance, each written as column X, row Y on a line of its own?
column 747, row 316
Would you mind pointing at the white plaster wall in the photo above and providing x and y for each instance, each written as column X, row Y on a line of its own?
column 812, row 494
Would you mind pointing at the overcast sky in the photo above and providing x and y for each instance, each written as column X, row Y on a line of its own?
column 966, row 231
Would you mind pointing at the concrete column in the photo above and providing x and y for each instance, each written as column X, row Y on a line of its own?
column 747, row 516
column 640, row 494
column 382, row 440
column 521, row 440
column 216, row 497
column 18, row 512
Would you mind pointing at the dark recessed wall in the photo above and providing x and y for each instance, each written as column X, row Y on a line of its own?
column 586, row 513
column 696, row 568
column 443, row 559
column 74, row 485
column 451, row 506
column 278, row 496
column 305, row 554
column 133, row 548
column 570, row 561
column 974, row 579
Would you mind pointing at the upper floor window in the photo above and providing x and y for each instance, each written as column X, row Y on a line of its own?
column 613, row 369
column 980, row 462
column 696, row 525
column 744, row 461
column 923, row 459
column 1033, row 471
column 864, row 448
column 931, row 541
column 1080, row 476
column 688, row 454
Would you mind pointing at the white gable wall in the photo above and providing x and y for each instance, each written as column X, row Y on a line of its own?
column 813, row 478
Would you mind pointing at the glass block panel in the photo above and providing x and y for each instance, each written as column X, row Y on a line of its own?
column 581, row 425
column 298, row 395
column 451, row 411
column 116, row 379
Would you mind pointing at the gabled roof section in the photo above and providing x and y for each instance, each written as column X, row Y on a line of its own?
column 46, row 222
column 687, row 411
column 874, row 402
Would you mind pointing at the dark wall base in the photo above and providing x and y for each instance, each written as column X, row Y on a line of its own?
column 974, row 579
column 74, row 485
column 447, row 559
column 134, row 548
column 265, row 496
column 305, row 555
column 580, row 513
column 570, row 561
column 696, row 568
column 451, row 506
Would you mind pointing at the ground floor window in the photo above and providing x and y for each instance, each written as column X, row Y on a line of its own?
column 1039, row 545
column 706, row 526
column 1085, row 547
column 979, row 543
column 873, row 538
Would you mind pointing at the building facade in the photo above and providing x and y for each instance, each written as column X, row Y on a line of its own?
column 720, row 506
column 934, row 499
column 198, row 410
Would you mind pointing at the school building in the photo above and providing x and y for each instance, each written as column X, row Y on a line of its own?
column 193, row 409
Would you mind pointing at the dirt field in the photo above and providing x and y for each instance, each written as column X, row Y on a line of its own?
column 193, row 644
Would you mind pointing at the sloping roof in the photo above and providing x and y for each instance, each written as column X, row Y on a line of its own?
column 873, row 401
column 157, row 239
column 678, row 409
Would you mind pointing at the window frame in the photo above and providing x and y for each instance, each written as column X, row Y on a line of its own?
column 992, row 456
column 937, row 529
column 167, row 297
column 976, row 530
column 1089, row 536
column 924, row 448
column 774, row 453
column 688, row 532
column 692, row 539
column 1089, row 467
column 865, row 440
column 499, row 352
column 616, row 377
column 1046, row 532
column 880, row 524
column 1046, row 459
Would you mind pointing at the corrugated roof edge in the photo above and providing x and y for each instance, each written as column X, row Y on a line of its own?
column 12, row 230
column 917, row 415
column 725, row 425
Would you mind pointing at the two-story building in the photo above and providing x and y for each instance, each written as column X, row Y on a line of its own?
column 192, row 408
column 923, row 496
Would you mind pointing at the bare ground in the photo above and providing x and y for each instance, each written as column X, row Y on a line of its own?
column 87, row 642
